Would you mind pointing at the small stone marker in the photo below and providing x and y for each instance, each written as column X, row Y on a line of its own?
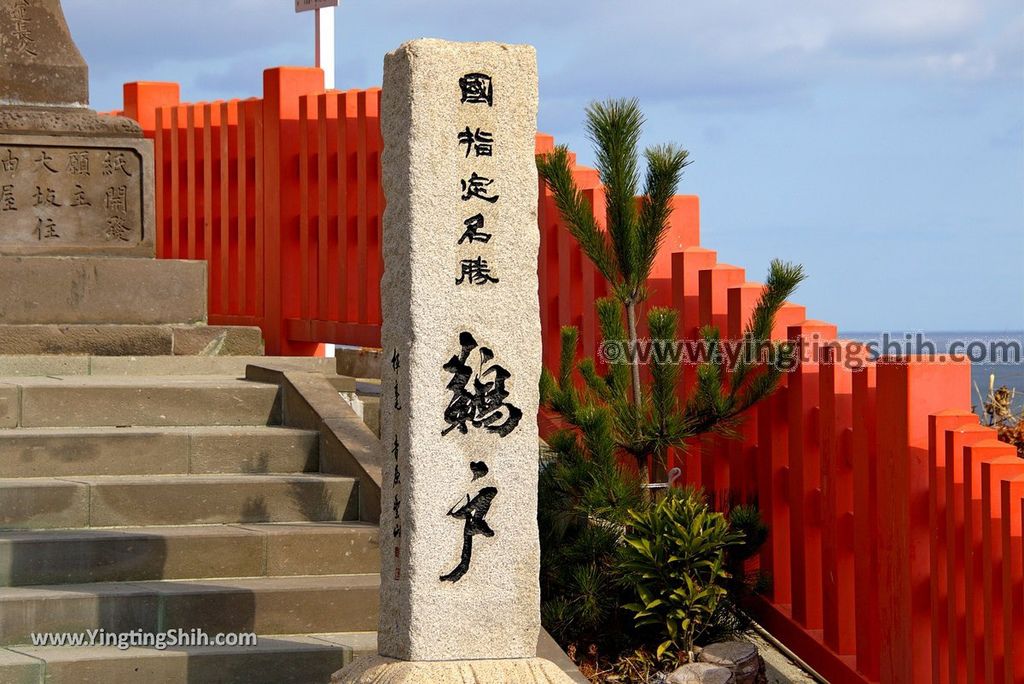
column 72, row 182
column 701, row 673
column 740, row 657
column 461, row 342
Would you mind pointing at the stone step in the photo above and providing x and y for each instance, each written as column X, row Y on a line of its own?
column 47, row 503
column 130, row 340
column 97, row 401
column 228, row 366
column 41, row 557
column 279, row 659
column 63, row 452
column 70, row 290
column 265, row 605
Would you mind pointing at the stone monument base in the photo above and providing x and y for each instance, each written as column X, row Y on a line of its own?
column 112, row 306
column 381, row 670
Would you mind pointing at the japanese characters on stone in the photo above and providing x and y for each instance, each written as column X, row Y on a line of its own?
column 478, row 191
column 459, row 306
column 477, row 385
column 396, row 505
column 80, row 196
column 23, row 29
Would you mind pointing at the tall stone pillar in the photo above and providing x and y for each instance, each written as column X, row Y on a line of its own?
column 461, row 337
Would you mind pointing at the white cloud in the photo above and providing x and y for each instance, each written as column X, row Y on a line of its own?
column 731, row 51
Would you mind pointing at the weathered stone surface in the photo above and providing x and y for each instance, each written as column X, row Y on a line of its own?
column 321, row 549
column 200, row 365
column 10, row 406
column 358, row 363
column 347, row 447
column 68, row 196
column 203, row 499
column 43, row 504
column 272, row 605
column 75, row 608
column 701, row 673
column 168, row 401
column 740, row 657
column 40, row 557
column 70, row 290
column 99, row 340
column 380, row 670
column 128, row 340
column 128, row 555
column 275, row 660
column 217, row 341
column 34, row 365
column 252, row 449
column 66, row 121
column 39, row 61
column 17, row 668
column 460, row 551
column 62, row 452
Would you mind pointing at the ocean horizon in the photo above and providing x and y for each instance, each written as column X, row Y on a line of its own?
column 1009, row 374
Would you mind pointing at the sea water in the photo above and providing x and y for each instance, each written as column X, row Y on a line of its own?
column 1008, row 371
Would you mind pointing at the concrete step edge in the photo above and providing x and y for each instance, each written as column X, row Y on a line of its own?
column 143, row 531
column 358, row 642
column 177, row 478
column 276, row 658
column 189, row 552
column 114, row 432
column 190, row 586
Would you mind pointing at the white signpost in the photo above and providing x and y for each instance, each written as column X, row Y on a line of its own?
column 324, row 34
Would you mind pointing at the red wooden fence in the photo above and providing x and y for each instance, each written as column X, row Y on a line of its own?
column 281, row 195
column 895, row 550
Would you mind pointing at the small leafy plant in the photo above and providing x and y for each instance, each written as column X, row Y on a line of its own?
column 674, row 558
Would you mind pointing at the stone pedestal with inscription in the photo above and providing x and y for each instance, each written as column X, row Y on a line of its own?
column 460, row 597
column 72, row 182
column 77, row 225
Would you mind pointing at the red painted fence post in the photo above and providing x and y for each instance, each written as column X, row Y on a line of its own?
column 143, row 98
column 909, row 390
column 686, row 268
column 742, row 451
column 1012, row 510
column 977, row 457
column 865, row 519
column 282, row 88
column 837, row 571
column 805, row 472
column 938, row 460
column 993, row 555
column 713, row 285
column 957, row 440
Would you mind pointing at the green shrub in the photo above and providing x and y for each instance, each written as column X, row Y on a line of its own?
column 674, row 558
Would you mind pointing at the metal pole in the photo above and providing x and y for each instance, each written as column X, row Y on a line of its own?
column 325, row 44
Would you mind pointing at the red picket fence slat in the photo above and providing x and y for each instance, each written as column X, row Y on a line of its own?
column 895, row 551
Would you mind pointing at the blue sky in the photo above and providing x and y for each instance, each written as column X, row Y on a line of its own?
column 878, row 142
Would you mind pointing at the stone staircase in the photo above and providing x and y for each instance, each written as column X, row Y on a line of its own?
column 136, row 500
